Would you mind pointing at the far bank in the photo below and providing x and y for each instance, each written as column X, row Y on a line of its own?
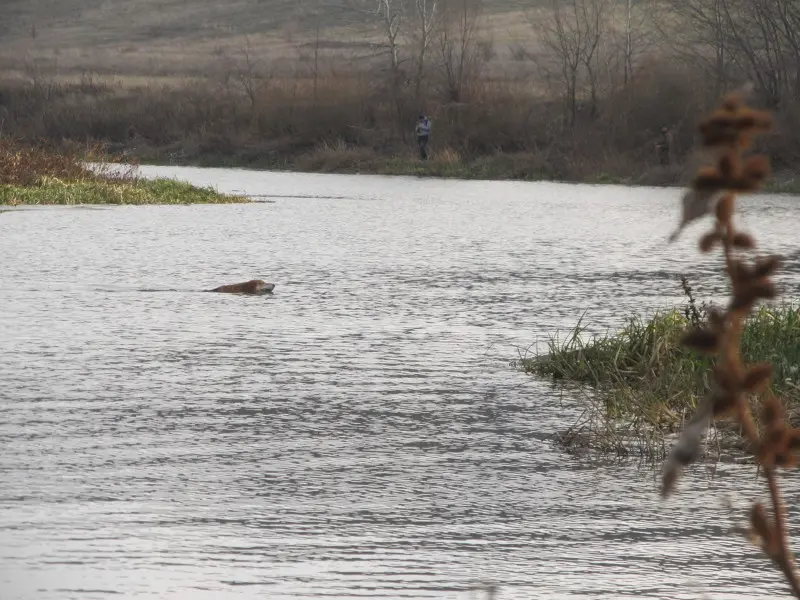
column 504, row 133
column 447, row 163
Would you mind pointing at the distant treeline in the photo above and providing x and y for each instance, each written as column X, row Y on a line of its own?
column 591, row 99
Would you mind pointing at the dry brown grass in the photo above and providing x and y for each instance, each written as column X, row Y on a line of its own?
column 215, row 122
column 195, row 108
column 726, row 135
column 27, row 165
column 447, row 156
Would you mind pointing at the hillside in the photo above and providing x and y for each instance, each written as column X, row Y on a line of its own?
column 113, row 22
column 149, row 37
column 186, row 37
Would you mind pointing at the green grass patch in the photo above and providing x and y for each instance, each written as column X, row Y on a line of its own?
column 642, row 378
column 446, row 162
column 50, row 190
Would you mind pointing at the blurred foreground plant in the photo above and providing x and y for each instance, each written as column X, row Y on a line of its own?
column 727, row 134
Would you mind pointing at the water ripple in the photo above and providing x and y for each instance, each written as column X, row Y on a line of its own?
column 361, row 433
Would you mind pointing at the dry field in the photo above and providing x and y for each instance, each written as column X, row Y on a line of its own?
column 199, row 38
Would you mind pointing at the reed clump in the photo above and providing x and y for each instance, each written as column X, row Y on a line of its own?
column 741, row 392
column 644, row 373
column 43, row 175
column 26, row 165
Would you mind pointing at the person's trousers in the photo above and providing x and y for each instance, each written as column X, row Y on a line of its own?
column 422, row 142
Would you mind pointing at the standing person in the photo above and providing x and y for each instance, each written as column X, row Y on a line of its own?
column 3, row 116
column 664, row 146
column 423, row 132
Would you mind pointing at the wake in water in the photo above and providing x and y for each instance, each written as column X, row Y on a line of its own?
column 306, row 196
column 153, row 290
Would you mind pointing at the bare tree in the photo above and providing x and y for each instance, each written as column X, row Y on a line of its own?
column 628, row 55
column 623, row 44
column 766, row 44
column 389, row 16
column 788, row 17
column 461, row 58
column 697, row 31
column 249, row 73
column 594, row 15
column 426, row 17
column 3, row 118
column 571, row 32
column 316, row 59
column 392, row 13
column 757, row 40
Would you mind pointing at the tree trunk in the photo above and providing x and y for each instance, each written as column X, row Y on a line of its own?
column 628, row 67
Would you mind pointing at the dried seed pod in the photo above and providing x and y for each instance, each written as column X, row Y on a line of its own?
column 741, row 303
column 776, row 450
column 729, row 165
column 721, row 121
column 752, row 291
column 753, row 119
column 701, row 340
column 725, row 405
column 716, row 318
column 760, row 524
column 763, row 288
column 766, row 266
column 735, row 99
column 744, row 240
column 784, row 459
column 731, row 103
column 776, row 434
column 739, row 271
column 743, row 184
column 743, row 142
column 722, row 117
column 724, row 378
column 694, row 204
column 686, row 449
column 745, row 120
column 717, row 122
column 725, row 208
column 771, row 411
column 709, row 240
column 756, row 167
column 714, row 136
column 756, row 379
column 709, row 178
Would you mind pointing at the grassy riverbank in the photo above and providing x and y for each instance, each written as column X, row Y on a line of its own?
column 643, row 382
column 355, row 161
column 444, row 162
column 44, row 176
column 159, row 191
column 448, row 163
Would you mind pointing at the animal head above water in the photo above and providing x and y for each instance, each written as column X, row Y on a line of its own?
column 254, row 286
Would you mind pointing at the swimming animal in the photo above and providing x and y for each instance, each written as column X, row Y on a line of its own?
column 254, row 286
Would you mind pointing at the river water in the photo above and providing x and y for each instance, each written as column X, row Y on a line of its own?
column 361, row 432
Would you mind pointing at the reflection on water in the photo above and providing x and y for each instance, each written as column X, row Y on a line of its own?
column 360, row 433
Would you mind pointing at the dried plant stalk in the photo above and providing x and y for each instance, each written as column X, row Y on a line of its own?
column 727, row 134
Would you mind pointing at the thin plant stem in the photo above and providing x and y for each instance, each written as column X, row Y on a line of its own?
column 728, row 132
